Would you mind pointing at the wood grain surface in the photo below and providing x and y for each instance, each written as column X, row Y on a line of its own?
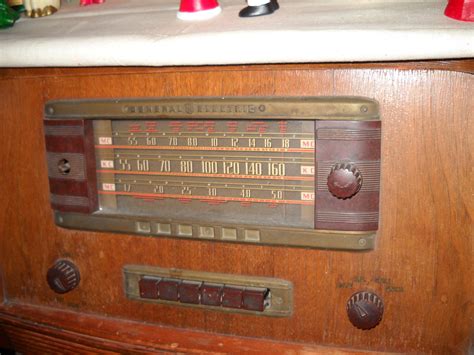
column 423, row 262
column 43, row 330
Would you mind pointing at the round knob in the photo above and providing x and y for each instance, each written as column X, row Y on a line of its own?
column 63, row 276
column 365, row 310
column 344, row 180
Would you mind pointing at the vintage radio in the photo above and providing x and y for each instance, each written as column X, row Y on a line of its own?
column 237, row 209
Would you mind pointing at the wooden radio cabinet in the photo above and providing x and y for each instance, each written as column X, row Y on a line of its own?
column 420, row 267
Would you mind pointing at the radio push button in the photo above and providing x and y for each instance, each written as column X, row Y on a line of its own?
column 211, row 294
column 190, row 292
column 148, row 287
column 344, row 180
column 232, row 297
column 168, row 289
column 254, row 299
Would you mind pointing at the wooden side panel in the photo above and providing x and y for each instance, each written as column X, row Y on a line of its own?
column 419, row 219
column 421, row 267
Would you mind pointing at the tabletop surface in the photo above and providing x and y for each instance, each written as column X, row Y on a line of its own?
column 148, row 33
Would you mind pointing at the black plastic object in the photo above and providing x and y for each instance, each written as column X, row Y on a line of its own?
column 261, row 10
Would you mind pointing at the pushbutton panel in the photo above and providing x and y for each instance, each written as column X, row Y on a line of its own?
column 221, row 292
column 192, row 292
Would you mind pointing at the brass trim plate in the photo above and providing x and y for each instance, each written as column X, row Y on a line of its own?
column 280, row 299
column 309, row 108
column 298, row 237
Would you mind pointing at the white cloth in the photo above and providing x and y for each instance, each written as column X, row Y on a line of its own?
column 147, row 32
column 257, row 2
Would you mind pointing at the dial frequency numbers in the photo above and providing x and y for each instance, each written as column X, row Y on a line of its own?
column 284, row 169
column 216, row 192
column 220, row 141
column 258, row 156
column 231, row 167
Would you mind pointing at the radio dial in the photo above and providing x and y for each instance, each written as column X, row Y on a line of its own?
column 344, row 180
column 365, row 310
column 63, row 276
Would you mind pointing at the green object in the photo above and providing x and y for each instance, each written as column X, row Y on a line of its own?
column 8, row 16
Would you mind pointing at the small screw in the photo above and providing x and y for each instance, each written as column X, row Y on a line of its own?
column 60, row 219
column 50, row 110
column 362, row 242
column 364, row 109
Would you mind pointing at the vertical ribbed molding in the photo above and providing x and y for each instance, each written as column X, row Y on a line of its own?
column 71, row 165
column 348, row 143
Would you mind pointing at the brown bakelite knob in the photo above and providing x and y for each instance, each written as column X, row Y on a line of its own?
column 344, row 180
column 365, row 310
column 63, row 276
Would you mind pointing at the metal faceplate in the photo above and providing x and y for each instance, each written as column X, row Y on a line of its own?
column 250, row 170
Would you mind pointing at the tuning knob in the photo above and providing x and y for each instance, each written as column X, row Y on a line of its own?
column 365, row 310
column 63, row 276
column 344, row 180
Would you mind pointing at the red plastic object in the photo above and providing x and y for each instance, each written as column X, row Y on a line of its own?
column 197, row 5
column 197, row 10
column 462, row 10
column 90, row 2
